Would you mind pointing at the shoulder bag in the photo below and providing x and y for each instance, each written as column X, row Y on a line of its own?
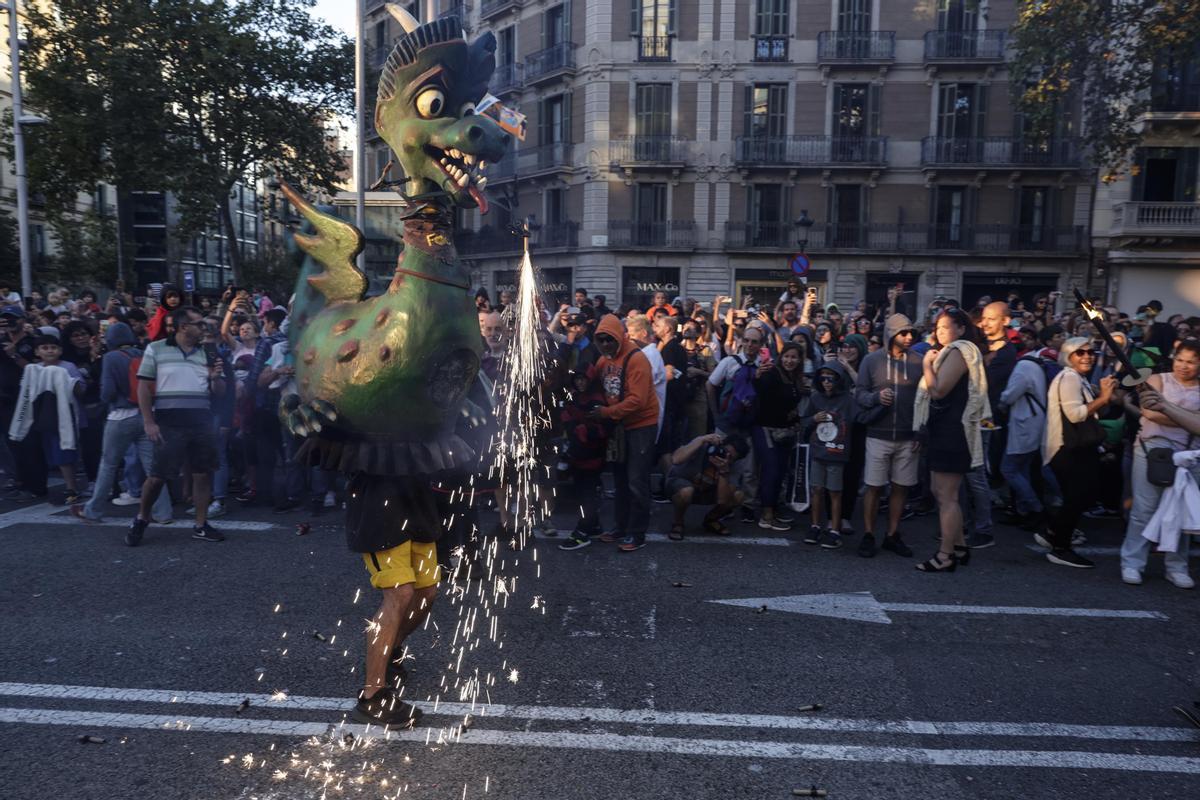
column 1080, row 435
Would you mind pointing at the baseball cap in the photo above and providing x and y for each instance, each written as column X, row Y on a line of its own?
column 12, row 311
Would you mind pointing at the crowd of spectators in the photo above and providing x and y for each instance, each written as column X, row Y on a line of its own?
column 781, row 409
column 780, row 412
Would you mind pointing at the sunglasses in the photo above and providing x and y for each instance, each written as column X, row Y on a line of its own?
column 1084, row 352
column 605, row 339
column 826, row 379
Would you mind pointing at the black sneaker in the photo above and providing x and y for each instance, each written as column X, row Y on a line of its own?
column 866, row 548
column 576, row 541
column 814, row 535
column 784, row 517
column 397, row 675
column 386, row 710
column 831, row 539
column 291, row 504
column 661, row 499
column 1069, row 558
column 207, row 533
column 137, row 529
column 897, row 546
column 748, row 514
column 979, row 541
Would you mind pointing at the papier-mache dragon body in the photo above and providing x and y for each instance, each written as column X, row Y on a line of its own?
column 382, row 380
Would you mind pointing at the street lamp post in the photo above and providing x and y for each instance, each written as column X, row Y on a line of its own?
column 360, row 125
column 805, row 224
column 19, row 121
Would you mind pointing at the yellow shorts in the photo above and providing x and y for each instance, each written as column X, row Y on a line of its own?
column 411, row 562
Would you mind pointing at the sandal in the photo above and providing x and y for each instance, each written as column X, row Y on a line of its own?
column 676, row 534
column 715, row 526
column 935, row 564
column 962, row 555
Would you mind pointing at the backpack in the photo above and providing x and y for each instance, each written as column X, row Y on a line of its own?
column 135, row 363
column 739, row 399
column 1049, row 368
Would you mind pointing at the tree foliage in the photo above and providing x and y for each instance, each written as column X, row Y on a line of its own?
column 1099, row 54
column 186, row 96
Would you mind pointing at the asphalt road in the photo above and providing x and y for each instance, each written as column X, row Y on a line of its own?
column 606, row 679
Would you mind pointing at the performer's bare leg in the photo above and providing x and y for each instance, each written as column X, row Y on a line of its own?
column 414, row 617
column 390, row 618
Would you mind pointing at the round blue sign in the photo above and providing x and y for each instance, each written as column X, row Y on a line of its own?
column 800, row 264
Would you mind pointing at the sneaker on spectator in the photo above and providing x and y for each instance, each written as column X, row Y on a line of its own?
column 785, row 518
column 247, row 496
column 330, row 499
column 660, row 498
column 1078, row 537
column 77, row 512
column 1069, row 558
column 1131, row 576
column 1100, row 512
column 1180, row 579
column 979, row 541
column 748, row 514
column 831, row 539
column 608, row 537
column 630, row 544
column 773, row 524
column 291, row 504
column 207, row 533
column 126, row 499
column 386, row 710
column 1042, row 541
column 847, row 529
column 137, row 529
column 167, row 521
column 73, row 498
column 576, row 541
column 216, row 509
column 896, row 545
column 814, row 535
column 866, row 548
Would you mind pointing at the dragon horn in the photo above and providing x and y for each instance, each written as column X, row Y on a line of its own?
column 406, row 20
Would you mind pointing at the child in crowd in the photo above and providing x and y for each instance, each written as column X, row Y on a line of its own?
column 826, row 417
column 587, row 441
column 48, row 407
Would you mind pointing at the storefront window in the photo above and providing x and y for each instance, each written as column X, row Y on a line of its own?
column 638, row 285
column 764, row 286
column 554, row 285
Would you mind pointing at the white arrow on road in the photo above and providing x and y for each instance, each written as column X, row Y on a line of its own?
column 863, row 607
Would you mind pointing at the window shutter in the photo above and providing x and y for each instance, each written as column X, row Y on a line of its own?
column 545, row 133
column 979, row 123
column 1185, row 186
column 671, row 30
column 566, row 117
column 874, row 103
column 748, row 110
column 1137, row 192
column 635, row 18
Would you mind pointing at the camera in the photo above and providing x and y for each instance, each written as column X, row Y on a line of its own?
column 715, row 450
column 752, row 311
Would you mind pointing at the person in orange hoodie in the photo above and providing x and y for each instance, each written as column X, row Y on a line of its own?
column 632, row 405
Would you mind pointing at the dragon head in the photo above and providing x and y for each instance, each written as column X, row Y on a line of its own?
column 428, row 92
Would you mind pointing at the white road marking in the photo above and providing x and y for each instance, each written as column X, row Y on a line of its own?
column 612, row 742
column 863, row 607
column 708, row 538
column 620, row 716
column 46, row 514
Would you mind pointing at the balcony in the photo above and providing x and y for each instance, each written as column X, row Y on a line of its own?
column 556, row 155
column 1006, row 152
column 965, row 47
column 770, row 49
column 558, row 235
column 654, row 48
column 996, row 240
column 856, row 47
column 490, row 8
column 761, row 236
column 507, row 78
column 553, row 62
column 487, row 241
column 1156, row 219
column 669, row 151
column 674, row 234
column 456, row 10
column 371, row 5
column 811, row 150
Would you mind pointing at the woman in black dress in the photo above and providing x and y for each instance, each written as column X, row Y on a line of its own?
column 948, row 381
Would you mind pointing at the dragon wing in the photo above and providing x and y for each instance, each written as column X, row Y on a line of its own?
column 335, row 245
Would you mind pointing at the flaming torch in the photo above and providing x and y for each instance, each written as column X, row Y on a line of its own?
column 1132, row 376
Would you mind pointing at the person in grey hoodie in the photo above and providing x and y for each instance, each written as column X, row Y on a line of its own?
column 886, row 392
column 123, row 426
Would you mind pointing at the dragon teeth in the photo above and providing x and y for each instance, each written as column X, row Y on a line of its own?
column 463, row 180
column 469, row 159
column 481, row 183
column 482, row 165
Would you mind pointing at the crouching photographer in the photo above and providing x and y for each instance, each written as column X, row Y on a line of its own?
column 699, row 475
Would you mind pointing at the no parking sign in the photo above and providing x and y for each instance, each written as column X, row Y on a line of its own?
column 800, row 266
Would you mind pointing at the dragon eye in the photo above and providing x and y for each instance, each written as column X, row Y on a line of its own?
column 431, row 103
column 467, row 110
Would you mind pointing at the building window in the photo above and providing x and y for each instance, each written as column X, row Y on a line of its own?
column 856, row 109
column 959, row 16
column 854, row 16
column 847, row 210
column 652, row 23
column 554, row 26
column 766, row 110
column 1033, row 214
column 962, row 110
column 653, row 122
column 951, row 216
column 771, row 30
column 767, row 212
column 553, row 123
column 1175, row 84
column 556, row 206
column 639, row 284
column 1165, row 174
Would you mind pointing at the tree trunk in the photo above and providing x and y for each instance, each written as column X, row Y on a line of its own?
column 231, row 241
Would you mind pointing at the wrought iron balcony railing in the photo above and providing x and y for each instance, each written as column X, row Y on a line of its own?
column 546, row 63
column 632, row 233
column 649, row 150
column 845, row 46
column 557, row 234
column 965, row 46
column 811, row 149
column 654, row 48
column 490, row 7
column 765, row 235
column 1000, row 151
column 1156, row 219
column 506, row 78
column 971, row 237
column 771, row 48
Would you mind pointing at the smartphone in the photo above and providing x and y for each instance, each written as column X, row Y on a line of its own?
column 210, row 353
column 104, row 323
column 764, row 355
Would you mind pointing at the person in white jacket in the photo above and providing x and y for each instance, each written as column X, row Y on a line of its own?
column 1025, row 398
column 57, row 422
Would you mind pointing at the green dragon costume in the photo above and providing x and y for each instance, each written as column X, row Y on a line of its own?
column 383, row 380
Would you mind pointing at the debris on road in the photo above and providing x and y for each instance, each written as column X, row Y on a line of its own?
column 303, row 528
column 87, row 739
column 760, row 610
column 243, row 706
column 681, row 585
column 813, row 707
column 811, row 791
column 320, row 637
